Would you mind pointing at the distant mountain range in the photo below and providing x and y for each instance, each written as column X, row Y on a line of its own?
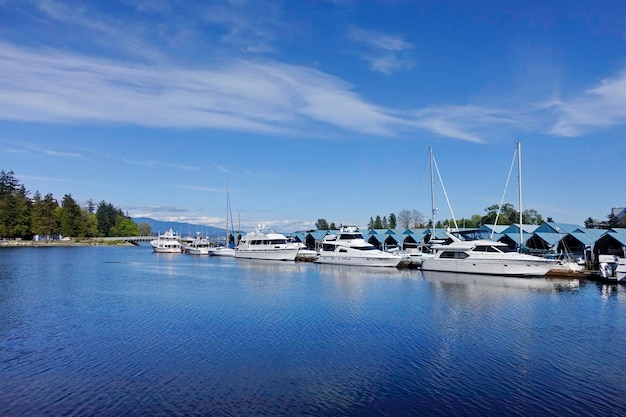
column 184, row 229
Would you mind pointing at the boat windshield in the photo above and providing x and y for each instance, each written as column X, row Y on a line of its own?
column 350, row 236
column 363, row 247
column 467, row 235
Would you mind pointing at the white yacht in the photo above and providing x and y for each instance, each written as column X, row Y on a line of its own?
column 267, row 245
column 198, row 246
column 168, row 242
column 222, row 251
column 612, row 268
column 471, row 252
column 349, row 248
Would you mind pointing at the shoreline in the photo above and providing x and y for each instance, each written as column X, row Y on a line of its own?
column 64, row 243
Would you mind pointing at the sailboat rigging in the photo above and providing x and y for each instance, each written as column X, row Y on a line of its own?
column 229, row 240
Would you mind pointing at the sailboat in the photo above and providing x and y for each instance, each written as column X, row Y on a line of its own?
column 228, row 249
column 472, row 252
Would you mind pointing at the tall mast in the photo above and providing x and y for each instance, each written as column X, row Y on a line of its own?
column 227, row 212
column 519, row 190
column 432, row 194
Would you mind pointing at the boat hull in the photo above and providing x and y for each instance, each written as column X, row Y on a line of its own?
column 197, row 251
column 167, row 250
column 337, row 259
column 517, row 268
column 221, row 251
column 275, row 254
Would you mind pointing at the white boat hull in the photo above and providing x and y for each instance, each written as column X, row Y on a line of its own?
column 614, row 270
column 346, row 259
column 513, row 267
column 167, row 249
column 270, row 254
column 197, row 251
column 222, row 251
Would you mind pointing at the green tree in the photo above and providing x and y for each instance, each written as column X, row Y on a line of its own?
column 321, row 224
column 532, row 217
column 127, row 227
column 44, row 221
column 393, row 222
column 70, row 217
column 378, row 223
column 108, row 219
column 508, row 214
column 144, row 229
column 476, row 220
column 613, row 220
column 332, row 226
column 385, row 223
column 89, row 222
column 15, row 207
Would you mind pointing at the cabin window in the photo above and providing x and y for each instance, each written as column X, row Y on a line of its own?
column 347, row 236
column 485, row 248
column 453, row 255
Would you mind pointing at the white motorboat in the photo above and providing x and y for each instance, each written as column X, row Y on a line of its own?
column 267, row 245
column 485, row 257
column 168, row 242
column 349, row 248
column 612, row 268
column 222, row 251
column 414, row 256
column 198, row 246
column 304, row 254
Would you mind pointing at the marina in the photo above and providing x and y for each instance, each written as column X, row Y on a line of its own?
column 109, row 331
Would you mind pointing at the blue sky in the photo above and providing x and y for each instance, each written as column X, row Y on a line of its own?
column 315, row 109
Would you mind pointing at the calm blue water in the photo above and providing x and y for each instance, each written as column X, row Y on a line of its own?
column 100, row 331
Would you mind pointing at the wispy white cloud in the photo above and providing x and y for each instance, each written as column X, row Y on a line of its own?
column 147, row 163
column 385, row 53
column 43, row 179
column 599, row 107
column 471, row 123
column 56, row 153
column 265, row 97
column 196, row 188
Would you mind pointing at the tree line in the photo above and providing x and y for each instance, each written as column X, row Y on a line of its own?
column 24, row 217
column 413, row 219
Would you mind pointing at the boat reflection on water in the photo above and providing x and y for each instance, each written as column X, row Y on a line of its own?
column 495, row 281
column 270, row 266
column 354, row 272
column 609, row 290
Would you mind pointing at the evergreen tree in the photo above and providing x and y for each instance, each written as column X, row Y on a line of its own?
column 44, row 221
column 89, row 222
column 378, row 223
column 107, row 216
column 15, row 207
column 70, row 218
column 393, row 222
